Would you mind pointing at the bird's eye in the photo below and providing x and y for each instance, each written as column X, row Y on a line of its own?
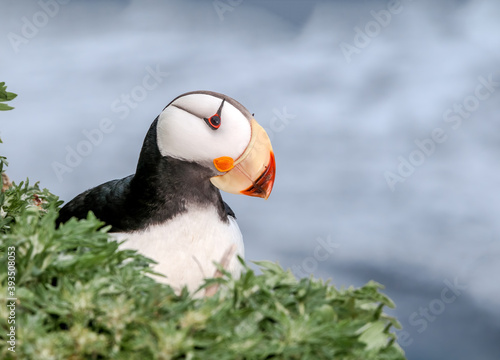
column 214, row 121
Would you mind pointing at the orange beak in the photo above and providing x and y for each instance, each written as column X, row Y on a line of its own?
column 253, row 172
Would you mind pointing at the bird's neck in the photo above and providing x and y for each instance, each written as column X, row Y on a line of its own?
column 175, row 177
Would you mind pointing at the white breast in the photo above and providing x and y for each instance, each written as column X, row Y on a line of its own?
column 186, row 246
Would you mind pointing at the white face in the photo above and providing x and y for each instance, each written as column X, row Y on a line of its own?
column 182, row 132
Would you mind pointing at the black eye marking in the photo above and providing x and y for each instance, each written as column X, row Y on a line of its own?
column 214, row 121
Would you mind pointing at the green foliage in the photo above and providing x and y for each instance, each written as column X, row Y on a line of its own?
column 17, row 199
column 80, row 297
column 5, row 96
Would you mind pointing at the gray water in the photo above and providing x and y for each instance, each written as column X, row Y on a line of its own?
column 350, row 98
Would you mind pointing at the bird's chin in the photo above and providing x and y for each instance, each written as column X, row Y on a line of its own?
column 254, row 171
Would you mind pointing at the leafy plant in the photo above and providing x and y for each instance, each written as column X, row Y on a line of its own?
column 80, row 297
column 5, row 96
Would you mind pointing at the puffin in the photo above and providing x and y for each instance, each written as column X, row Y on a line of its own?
column 171, row 210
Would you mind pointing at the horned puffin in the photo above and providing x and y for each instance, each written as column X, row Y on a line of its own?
column 171, row 209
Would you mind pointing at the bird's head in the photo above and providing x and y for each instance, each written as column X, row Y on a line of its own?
column 220, row 134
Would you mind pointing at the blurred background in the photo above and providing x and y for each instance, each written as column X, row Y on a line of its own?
column 384, row 117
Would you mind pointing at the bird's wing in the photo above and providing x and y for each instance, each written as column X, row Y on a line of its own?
column 106, row 201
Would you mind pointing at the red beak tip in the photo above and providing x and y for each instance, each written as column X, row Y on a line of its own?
column 263, row 186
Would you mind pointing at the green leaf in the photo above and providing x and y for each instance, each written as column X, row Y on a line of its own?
column 4, row 107
column 5, row 96
column 373, row 335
